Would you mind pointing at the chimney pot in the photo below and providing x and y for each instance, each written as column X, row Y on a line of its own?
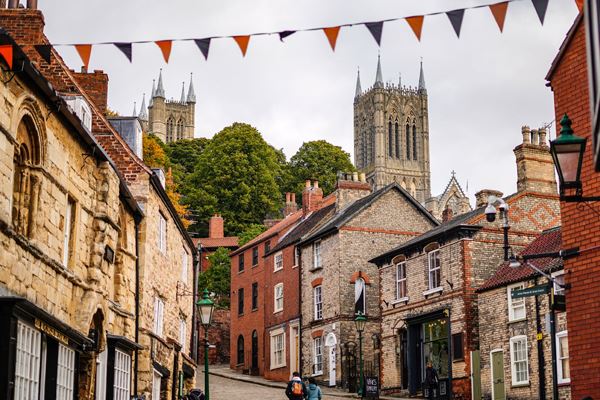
column 447, row 214
column 307, row 183
column 287, row 197
column 13, row 3
column 355, row 176
column 542, row 136
column 316, row 184
column 32, row 4
column 293, row 197
column 525, row 132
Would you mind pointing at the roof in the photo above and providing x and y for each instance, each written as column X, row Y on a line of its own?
column 564, row 45
column 549, row 241
column 356, row 207
column 229, row 241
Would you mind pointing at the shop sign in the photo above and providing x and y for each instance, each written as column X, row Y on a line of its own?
column 48, row 330
column 372, row 387
column 530, row 291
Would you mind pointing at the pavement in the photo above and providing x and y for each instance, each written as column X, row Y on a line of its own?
column 247, row 387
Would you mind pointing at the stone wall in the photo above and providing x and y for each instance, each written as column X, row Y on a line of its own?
column 218, row 336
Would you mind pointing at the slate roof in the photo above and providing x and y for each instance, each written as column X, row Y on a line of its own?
column 548, row 242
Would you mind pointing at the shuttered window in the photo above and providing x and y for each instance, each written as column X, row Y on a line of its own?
column 122, row 381
column 65, row 373
column 27, row 367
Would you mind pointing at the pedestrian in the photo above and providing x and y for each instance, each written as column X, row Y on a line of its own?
column 314, row 391
column 431, row 381
column 296, row 389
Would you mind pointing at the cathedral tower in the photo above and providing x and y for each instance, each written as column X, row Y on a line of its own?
column 391, row 135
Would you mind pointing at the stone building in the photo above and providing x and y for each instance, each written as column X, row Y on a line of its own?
column 162, row 351
column 169, row 119
column 428, row 300
column 453, row 201
column 515, row 362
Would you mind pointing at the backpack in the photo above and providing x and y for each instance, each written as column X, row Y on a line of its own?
column 297, row 388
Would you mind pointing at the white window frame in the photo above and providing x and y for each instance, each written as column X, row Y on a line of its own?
column 401, row 281
column 318, row 302
column 516, row 303
column 514, row 360
column 296, row 256
column 182, row 333
column 318, row 355
column 434, row 256
column 559, row 276
column 162, row 233
column 278, row 261
column 159, row 310
column 156, row 381
column 317, row 257
column 278, row 297
column 277, row 340
column 122, row 376
column 28, row 362
column 184, row 265
column 560, row 375
column 65, row 373
column 101, row 364
column 69, row 225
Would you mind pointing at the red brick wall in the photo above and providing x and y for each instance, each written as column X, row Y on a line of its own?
column 96, row 86
column 218, row 335
column 580, row 225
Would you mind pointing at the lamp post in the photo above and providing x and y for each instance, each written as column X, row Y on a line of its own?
column 206, row 307
column 360, row 321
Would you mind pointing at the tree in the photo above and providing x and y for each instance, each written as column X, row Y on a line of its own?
column 154, row 153
column 217, row 278
column 250, row 233
column 318, row 160
column 186, row 152
column 236, row 175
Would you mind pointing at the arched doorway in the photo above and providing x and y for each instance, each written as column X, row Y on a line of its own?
column 254, row 359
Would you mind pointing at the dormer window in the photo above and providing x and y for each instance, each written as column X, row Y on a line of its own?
column 82, row 109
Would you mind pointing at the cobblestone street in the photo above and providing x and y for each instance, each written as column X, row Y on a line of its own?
column 228, row 389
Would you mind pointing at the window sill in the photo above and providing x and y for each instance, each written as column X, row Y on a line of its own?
column 274, row 367
column 400, row 300
column 241, row 315
column 566, row 383
column 432, row 291
column 254, row 310
column 513, row 321
column 518, row 385
column 255, row 265
column 294, row 266
column 275, row 270
column 320, row 373
column 239, row 272
column 314, row 269
column 277, row 311
column 318, row 320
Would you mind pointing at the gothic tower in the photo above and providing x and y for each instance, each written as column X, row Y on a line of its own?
column 391, row 135
column 170, row 120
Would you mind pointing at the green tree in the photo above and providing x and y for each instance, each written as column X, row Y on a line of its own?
column 154, row 152
column 250, row 233
column 319, row 160
column 186, row 152
column 236, row 175
column 217, row 278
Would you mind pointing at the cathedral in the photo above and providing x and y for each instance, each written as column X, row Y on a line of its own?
column 170, row 120
column 391, row 142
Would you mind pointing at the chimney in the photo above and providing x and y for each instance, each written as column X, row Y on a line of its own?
column 95, row 85
column 481, row 197
column 349, row 188
column 311, row 197
column 535, row 168
column 290, row 204
column 447, row 214
column 215, row 227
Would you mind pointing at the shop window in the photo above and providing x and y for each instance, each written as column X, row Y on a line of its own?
column 255, row 256
column 240, row 301
column 240, row 349
column 122, row 377
column 101, row 364
column 435, row 346
column 162, row 233
column 317, row 262
column 519, row 362
column 159, row 308
column 156, row 381
column 401, row 293
column 318, row 301
column 28, row 362
column 457, row 347
column 318, row 355
column 255, row 296
column 278, row 261
column 360, row 301
column 241, row 262
column 562, row 352
column 434, row 266
column 278, row 297
column 516, row 307
column 65, row 374
column 277, row 349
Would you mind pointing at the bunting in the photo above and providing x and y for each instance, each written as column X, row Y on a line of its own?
column 44, row 50
column 165, row 48
column 579, row 4
column 85, row 51
column 332, row 35
column 284, row 34
column 376, row 29
column 242, row 42
column 416, row 24
column 499, row 12
column 6, row 51
column 126, row 48
column 204, row 46
column 540, row 8
column 456, row 18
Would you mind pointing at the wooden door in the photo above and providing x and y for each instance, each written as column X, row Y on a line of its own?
column 498, row 390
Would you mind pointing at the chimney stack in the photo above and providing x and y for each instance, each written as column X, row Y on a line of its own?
column 311, row 197
column 95, row 85
column 535, row 167
column 447, row 214
column 290, row 204
column 349, row 188
column 481, row 197
column 215, row 227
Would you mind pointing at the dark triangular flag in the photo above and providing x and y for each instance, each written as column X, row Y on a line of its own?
column 204, row 46
column 284, row 34
column 376, row 28
column 126, row 49
column 44, row 50
column 540, row 8
column 456, row 19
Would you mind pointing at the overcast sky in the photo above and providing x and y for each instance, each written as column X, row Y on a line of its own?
column 482, row 87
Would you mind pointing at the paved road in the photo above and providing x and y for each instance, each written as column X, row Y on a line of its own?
column 228, row 389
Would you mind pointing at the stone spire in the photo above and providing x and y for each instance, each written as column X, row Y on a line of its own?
column 160, row 91
column 153, row 93
column 422, row 79
column 182, row 100
column 358, row 88
column 399, row 80
column 143, row 111
column 191, row 97
column 379, row 76
column 134, row 110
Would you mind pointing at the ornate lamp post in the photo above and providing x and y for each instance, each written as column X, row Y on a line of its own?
column 360, row 321
column 206, row 307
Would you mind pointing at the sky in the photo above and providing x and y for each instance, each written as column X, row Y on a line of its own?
column 482, row 87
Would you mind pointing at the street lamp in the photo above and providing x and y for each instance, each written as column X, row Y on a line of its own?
column 360, row 322
column 490, row 215
column 206, row 307
column 567, row 151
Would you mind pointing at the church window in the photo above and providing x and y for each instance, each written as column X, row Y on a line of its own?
column 390, row 140
column 364, row 149
column 397, row 131
column 413, row 189
column 170, row 129
column 414, row 143
column 407, row 142
column 180, row 125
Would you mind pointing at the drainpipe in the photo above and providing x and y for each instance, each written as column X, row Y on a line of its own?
column 540, row 351
column 137, row 303
column 197, row 266
column 300, row 359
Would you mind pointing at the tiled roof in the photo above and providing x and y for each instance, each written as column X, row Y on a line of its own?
column 549, row 241
column 230, row 241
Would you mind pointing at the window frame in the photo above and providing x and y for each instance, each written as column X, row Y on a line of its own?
column 29, row 374
column 559, row 366
column 122, row 375
column 182, row 333
column 241, row 301
column 156, row 383
column 278, row 260
column 401, row 281
column 162, row 233
column 434, row 255
column 318, row 355
column 277, row 298
column 255, row 256
column 317, row 256
column 357, row 298
column 159, row 311
column 241, row 261
column 514, row 361
column 318, row 305
column 558, row 276
column 296, row 256
column 65, row 365
column 511, row 305
column 240, row 351
column 254, row 296
column 274, row 335
column 267, row 246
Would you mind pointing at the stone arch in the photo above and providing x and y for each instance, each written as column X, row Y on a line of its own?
column 28, row 111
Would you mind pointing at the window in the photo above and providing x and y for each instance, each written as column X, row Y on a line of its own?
column 360, row 302
column 159, row 307
column 240, row 301
column 434, row 269
column 562, row 354
column 278, row 297
column 255, row 256
column 182, row 333
column 407, row 142
column 519, row 360
column 318, row 300
column 68, row 232
column 278, row 261
column 267, row 246
column 559, row 278
column 398, row 153
column 296, row 256
column 156, row 378
column 241, row 262
column 457, row 346
column 184, row 266
column 401, row 281
column 27, row 367
column 101, row 363
column 162, row 233
column 255, row 296
column 180, row 124
column 240, row 350
column 516, row 307
column 65, row 373
column 317, row 355
column 317, row 254
column 414, row 142
column 170, row 126
column 122, row 379
column 277, row 349
column 390, row 140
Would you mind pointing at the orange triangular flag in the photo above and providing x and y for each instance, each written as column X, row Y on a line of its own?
column 85, row 51
column 499, row 12
column 242, row 42
column 579, row 5
column 332, row 34
column 416, row 24
column 6, row 51
column 165, row 47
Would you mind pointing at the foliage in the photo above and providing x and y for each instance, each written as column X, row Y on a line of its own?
column 175, row 197
column 217, row 278
column 154, row 153
column 111, row 113
column 186, row 152
column 250, row 233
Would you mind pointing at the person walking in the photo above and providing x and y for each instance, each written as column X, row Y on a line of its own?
column 296, row 389
column 314, row 391
column 431, row 381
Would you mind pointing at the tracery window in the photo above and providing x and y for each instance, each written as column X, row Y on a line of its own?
column 414, row 144
column 170, row 129
column 180, row 126
column 407, row 142
column 390, row 139
column 397, row 131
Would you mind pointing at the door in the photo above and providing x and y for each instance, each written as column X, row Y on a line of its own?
column 254, row 361
column 475, row 375
column 294, row 349
column 101, row 364
column 497, row 360
column 332, row 361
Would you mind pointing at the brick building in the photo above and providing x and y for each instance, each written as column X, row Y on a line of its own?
column 568, row 79
column 515, row 363
column 216, row 238
column 163, row 315
column 428, row 304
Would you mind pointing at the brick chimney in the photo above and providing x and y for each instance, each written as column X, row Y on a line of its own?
column 535, row 168
column 312, row 195
column 290, row 204
column 215, row 227
column 95, row 84
column 481, row 197
column 447, row 214
column 349, row 188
